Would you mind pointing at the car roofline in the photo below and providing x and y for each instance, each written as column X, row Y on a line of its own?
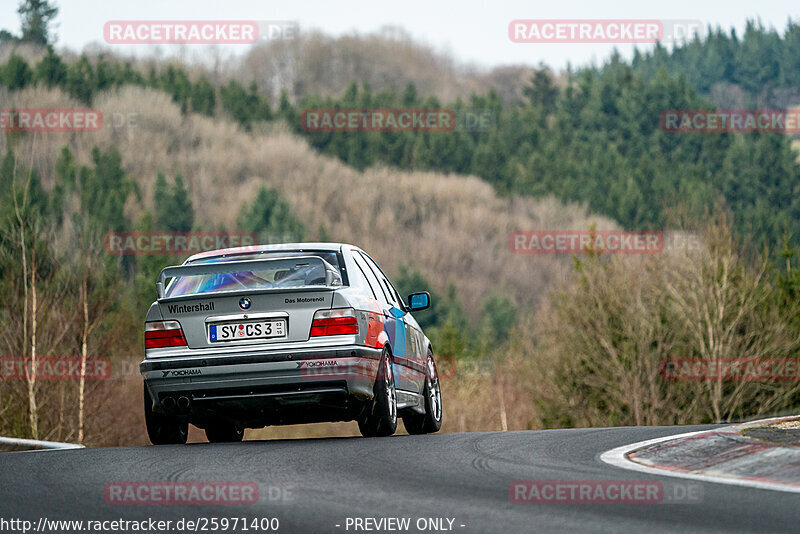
column 261, row 249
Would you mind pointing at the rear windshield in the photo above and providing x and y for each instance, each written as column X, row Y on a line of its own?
column 312, row 274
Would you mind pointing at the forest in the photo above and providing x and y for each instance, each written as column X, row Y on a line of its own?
column 581, row 149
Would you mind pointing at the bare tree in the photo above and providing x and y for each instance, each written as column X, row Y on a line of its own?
column 84, row 338
column 21, row 219
column 603, row 339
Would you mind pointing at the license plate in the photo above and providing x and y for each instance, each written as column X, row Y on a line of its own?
column 247, row 330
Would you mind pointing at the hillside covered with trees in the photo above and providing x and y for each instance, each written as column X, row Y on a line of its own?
column 596, row 141
column 185, row 149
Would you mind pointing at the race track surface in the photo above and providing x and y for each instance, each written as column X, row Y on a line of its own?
column 315, row 485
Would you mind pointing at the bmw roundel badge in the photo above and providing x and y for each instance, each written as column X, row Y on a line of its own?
column 244, row 303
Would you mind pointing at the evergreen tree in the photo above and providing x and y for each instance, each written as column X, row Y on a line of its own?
column 542, row 91
column 80, row 82
column 51, row 71
column 103, row 191
column 270, row 215
column 65, row 181
column 410, row 280
column 203, row 97
column 16, row 73
column 173, row 206
column 36, row 16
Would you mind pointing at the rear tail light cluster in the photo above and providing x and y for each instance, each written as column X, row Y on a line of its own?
column 163, row 334
column 335, row 322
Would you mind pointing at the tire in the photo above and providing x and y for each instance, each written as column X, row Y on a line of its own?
column 163, row 429
column 224, row 432
column 431, row 420
column 380, row 417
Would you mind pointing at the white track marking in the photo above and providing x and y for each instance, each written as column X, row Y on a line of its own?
column 618, row 458
column 33, row 445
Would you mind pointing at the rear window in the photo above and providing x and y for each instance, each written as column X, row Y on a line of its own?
column 268, row 277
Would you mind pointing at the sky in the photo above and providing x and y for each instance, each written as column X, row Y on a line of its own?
column 471, row 31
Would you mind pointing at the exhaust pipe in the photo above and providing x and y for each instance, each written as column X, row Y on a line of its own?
column 183, row 403
column 168, row 403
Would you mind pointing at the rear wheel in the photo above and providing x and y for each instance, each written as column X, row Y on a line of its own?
column 224, row 431
column 431, row 420
column 163, row 429
column 380, row 417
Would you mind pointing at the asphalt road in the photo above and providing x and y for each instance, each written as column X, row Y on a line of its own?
column 463, row 477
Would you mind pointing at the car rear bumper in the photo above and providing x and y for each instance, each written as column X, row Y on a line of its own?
column 324, row 375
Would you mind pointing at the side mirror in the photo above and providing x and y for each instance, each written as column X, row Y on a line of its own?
column 419, row 301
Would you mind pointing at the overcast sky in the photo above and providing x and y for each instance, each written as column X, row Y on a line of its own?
column 472, row 31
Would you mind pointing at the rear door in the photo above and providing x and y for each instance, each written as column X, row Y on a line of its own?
column 403, row 337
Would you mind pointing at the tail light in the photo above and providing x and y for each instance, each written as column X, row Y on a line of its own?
column 163, row 334
column 334, row 322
